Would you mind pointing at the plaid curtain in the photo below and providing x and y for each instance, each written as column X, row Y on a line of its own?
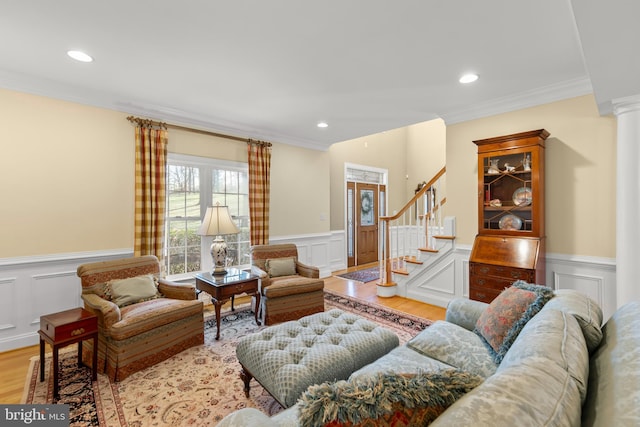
column 259, row 155
column 151, row 158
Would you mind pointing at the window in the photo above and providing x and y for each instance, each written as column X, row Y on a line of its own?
column 193, row 184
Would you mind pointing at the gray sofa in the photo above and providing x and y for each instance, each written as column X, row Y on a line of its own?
column 563, row 369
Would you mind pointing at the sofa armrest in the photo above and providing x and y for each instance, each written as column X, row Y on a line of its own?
column 307, row 270
column 247, row 417
column 183, row 291
column 108, row 312
column 465, row 312
column 265, row 280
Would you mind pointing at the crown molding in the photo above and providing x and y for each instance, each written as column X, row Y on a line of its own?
column 539, row 96
column 66, row 92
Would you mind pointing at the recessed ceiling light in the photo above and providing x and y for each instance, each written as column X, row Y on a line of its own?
column 79, row 56
column 468, row 78
column 323, row 124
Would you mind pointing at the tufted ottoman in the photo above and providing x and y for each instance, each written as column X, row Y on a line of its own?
column 328, row 346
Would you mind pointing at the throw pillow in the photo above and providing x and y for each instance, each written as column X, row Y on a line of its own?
column 384, row 399
column 502, row 321
column 128, row 291
column 277, row 267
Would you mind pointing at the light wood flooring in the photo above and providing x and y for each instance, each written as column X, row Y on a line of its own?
column 15, row 363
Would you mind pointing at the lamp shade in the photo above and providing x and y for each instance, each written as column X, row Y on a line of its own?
column 217, row 222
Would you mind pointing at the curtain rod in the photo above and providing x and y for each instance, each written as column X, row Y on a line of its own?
column 146, row 122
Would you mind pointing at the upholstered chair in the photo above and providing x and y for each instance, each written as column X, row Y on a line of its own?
column 289, row 289
column 142, row 319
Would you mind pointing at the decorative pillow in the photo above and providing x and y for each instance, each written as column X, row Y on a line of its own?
column 502, row 321
column 385, row 399
column 280, row 266
column 128, row 291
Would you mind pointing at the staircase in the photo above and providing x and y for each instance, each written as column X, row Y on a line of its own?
column 416, row 243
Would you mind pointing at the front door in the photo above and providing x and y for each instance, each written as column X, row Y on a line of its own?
column 366, row 223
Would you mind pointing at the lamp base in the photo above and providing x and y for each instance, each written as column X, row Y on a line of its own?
column 219, row 255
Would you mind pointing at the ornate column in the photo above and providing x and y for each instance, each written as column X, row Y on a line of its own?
column 627, row 111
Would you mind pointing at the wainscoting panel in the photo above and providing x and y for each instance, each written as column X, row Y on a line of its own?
column 54, row 292
column 8, row 308
column 33, row 286
column 313, row 249
column 594, row 277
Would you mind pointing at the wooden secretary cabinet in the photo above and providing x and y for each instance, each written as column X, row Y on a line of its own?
column 509, row 245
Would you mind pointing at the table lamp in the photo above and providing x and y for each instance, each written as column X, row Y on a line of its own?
column 217, row 222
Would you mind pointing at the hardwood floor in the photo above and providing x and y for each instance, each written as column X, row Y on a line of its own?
column 15, row 363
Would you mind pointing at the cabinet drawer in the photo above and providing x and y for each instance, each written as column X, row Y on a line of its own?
column 59, row 333
column 510, row 273
column 488, row 282
column 484, row 295
column 249, row 287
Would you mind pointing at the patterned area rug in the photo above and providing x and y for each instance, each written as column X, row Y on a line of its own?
column 197, row 387
column 367, row 275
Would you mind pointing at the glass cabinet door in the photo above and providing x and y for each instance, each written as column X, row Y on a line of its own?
column 507, row 191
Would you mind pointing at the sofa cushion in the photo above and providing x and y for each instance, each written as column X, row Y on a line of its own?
column 292, row 285
column 502, row 321
column 613, row 395
column 552, row 337
column 145, row 316
column 584, row 309
column 538, row 383
column 384, row 400
column 455, row 346
column 277, row 267
column 523, row 396
column 131, row 290
column 401, row 360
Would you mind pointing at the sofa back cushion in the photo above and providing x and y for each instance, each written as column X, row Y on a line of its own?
column 586, row 311
column 552, row 337
column 534, row 385
column 614, row 384
column 94, row 276
column 261, row 253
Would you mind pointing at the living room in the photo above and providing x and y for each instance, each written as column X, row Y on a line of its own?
column 67, row 171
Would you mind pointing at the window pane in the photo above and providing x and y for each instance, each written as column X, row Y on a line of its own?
column 183, row 190
column 218, row 181
column 232, row 182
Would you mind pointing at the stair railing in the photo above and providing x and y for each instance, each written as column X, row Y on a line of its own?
column 409, row 232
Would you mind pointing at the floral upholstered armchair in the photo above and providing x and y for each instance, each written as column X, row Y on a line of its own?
column 142, row 319
column 289, row 289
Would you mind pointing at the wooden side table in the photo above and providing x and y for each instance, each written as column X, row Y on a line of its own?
column 65, row 328
column 222, row 288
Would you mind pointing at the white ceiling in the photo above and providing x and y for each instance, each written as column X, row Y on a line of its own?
column 273, row 69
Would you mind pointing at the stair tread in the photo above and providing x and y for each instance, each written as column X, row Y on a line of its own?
column 443, row 236
column 402, row 271
column 428, row 250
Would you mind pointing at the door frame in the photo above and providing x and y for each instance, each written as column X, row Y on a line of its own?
column 377, row 176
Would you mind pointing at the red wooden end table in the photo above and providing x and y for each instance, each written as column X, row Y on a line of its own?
column 65, row 328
